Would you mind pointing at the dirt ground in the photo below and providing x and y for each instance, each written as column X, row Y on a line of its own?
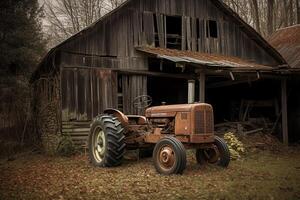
column 259, row 175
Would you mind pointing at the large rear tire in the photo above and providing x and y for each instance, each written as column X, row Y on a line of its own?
column 169, row 156
column 106, row 142
column 219, row 156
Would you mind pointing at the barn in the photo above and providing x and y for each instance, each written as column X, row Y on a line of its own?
column 287, row 42
column 175, row 51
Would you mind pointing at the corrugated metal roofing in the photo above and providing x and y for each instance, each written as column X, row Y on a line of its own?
column 206, row 59
column 287, row 42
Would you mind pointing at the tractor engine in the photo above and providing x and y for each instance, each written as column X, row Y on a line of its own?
column 166, row 124
column 195, row 121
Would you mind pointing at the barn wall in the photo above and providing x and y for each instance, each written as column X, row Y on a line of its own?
column 87, row 92
column 232, row 40
column 47, row 111
column 111, row 41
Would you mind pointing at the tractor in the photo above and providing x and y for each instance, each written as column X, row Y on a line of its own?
column 168, row 130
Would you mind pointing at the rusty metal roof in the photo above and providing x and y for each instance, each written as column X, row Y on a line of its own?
column 287, row 42
column 204, row 59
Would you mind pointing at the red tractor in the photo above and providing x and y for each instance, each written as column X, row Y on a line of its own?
column 169, row 130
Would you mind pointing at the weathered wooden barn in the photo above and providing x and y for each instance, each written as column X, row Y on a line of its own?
column 287, row 42
column 176, row 51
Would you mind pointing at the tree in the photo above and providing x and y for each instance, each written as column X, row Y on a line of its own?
column 21, row 47
column 270, row 17
column 66, row 17
column 298, row 11
column 21, row 38
column 261, row 13
column 255, row 14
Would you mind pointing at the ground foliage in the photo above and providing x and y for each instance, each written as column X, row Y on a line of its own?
column 236, row 147
column 258, row 175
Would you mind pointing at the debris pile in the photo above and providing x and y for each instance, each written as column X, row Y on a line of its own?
column 244, row 128
column 248, row 136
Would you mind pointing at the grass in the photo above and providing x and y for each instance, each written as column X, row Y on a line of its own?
column 259, row 175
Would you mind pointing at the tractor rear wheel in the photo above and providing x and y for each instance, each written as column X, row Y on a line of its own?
column 106, row 142
column 219, row 154
column 169, row 156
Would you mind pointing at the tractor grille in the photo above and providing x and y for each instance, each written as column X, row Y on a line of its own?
column 204, row 122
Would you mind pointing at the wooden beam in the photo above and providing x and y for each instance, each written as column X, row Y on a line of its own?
column 229, row 83
column 158, row 74
column 285, row 134
column 202, row 87
column 139, row 72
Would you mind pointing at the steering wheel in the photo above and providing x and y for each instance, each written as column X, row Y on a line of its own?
column 142, row 101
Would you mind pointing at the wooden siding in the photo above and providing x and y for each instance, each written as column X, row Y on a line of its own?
column 87, row 92
column 112, row 40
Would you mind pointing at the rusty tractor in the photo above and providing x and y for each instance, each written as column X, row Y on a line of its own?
column 169, row 130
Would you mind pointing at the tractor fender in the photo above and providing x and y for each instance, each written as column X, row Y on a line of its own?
column 118, row 114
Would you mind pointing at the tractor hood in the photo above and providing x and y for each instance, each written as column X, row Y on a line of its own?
column 171, row 110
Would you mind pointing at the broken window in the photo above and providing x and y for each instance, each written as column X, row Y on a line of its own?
column 173, row 32
column 212, row 29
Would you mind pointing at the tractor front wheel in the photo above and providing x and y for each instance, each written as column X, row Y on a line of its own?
column 219, row 154
column 169, row 156
column 106, row 142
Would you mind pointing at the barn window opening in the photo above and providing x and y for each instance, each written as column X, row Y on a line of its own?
column 212, row 29
column 173, row 32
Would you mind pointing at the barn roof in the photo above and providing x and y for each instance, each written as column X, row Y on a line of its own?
column 287, row 42
column 210, row 60
column 218, row 3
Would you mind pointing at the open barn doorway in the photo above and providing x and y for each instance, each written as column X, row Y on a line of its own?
column 247, row 107
column 168, row 90
column 245, row 101
column 169, row 82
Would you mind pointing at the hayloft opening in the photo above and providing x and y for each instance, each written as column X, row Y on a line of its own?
column 174, row 32
column 212, row 29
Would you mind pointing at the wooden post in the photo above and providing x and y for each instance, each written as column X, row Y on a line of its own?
column 285, row 134
column 202, row 87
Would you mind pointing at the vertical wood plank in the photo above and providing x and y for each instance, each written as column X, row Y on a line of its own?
column 76, row 93
column 285, row 134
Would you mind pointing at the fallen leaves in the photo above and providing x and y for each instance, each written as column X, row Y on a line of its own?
column 40, row 177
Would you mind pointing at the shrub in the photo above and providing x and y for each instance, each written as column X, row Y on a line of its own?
column 236, row 147
column 66, row 146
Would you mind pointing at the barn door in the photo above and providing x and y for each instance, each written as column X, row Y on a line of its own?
column 87, row 92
